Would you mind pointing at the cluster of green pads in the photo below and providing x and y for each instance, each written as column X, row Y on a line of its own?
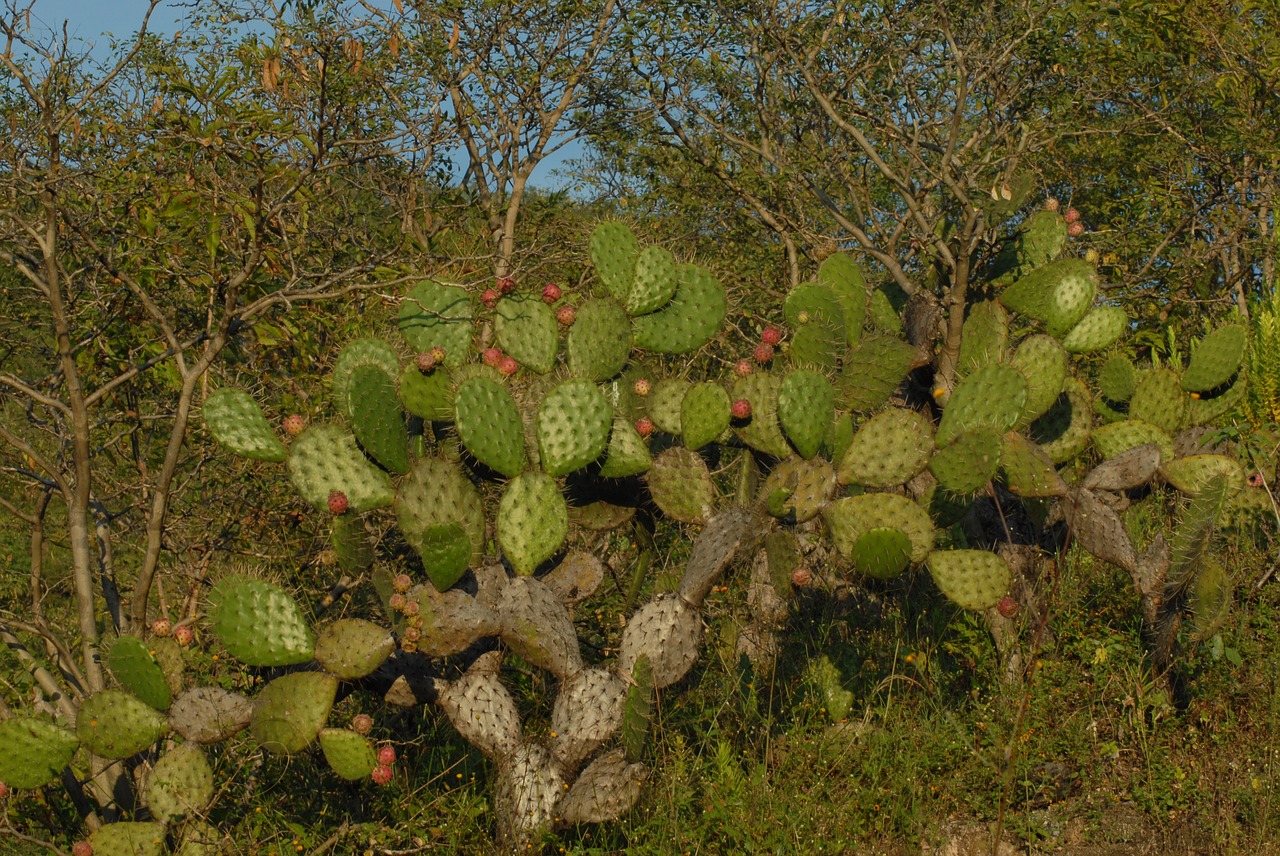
column 881, row 480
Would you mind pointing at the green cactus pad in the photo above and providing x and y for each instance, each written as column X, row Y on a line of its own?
column 128, row 838
column 33, row 752
column 451, row 621
column 968, row 462
column 235, row 420
column 881, row 553
column 613, row 252
column 351, row 543
column 209, row 714
column 985, row 337
column 826, row 681
column 690, row 320
column 992, row 397
column 1028, row 471
column 348, row 753
column 290, row 711
column 1119, row 437
column 437, row 315
column 446, row 553
column 882, row 314
column 704, row 414
column 351, row 648
column 763, row 432
column 1159, row 399
column 627, row 454
column 197, row 838
column 799, row 489
column 533, row 521
column 681, row 485
column 806, row 406
column 130, row 660
column 527, row 330
column 840, row 273
column 427, row 395
column 358, row 353
column 1216, row 359
column 573, row 426
column 971, row 579
column 259, row 623
column 664, row 404
column 873, row 369
column 599, row 342
column 1210, row 601
column 325, row 458
column 1039, row 240
column 654, row 282
column 1063, row 431
column 114, row 724
column 1193, row 473
column 850, row 518
column 1206, row 409
column 1118, row 378
column 637, row 709
column 1043, row 363
column 889, row 449
column 489, row 425
column 1194, row 536
column 377, row 419
column 437, row 492
column 1099, row 329
column 181, row 784
column 1058, row 293
column 816, row 317
column 168, row 655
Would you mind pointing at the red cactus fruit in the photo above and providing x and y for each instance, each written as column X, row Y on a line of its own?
column 337, row 502
column 644, row 426
column 801, row 577
column 412, row 608
column 4, row 790
column 741, row 409
column 1008, row 607
column 82, row 848
column 551, row 293
column 184, row 635
column 1052, row 204
column 491, row 357
column 294, row 424
column 412, row 634
column 426, row 361
column 396, row 602
column 362, row 723
column 402, row 583
column 763, row 353
column 386, row 755
column 161, row 627
column 566, row 315
column 1075, row 229
column 490, row 297
column 1256, row 480
column 1072, row 215
column 381, row 775
column 643, row 387
column 508, row 366
column 742, row 368
column 506, row 284
column 771, row 335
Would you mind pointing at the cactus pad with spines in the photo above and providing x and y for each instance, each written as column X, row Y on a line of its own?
column 325, row 458
column 1206, row 409
column 533, row 521
column 841, row 274
column 599, row 342
column 114, row 724
column 968, row 462
column 290, row 711
column 763, row 432
column 1063, row 431
column 1117, row 378
column 376, row 418
column 680, row 485
column 882, row 314
column 348, row 753
column 1119, row 437
column 799, row 489
column 351, row 543
column 613, row 252
column 881, row 553
column 653, row 282
column 889, row 449
column 604, row 791
column 128, row 838
column 1193, row 473
column 715, row 548
column 351, row 648
column 825, row 678
column 816, row 317
column 482, row 710
column 806, row 406
column 526, row 329
column 354, row 355
column 436, row 492
column 259, row 623
column 1216, row 359
column 690, row 320
column 235, row 420
column 972, row 579
column 130, row 660
column 667, row 632
column 985, row 337
column 181, row 784
column 1159, row 399
column 489, row 425
column 704, row 414
column 451, row 621
column 1099, row 329
column 537, row 626
column 446, row 553
column 1210, row 601
column 850, row 518
column 33, row 752
column 991, row 397
column 437, row 315
column 1027, row 469
column 587, row 713
column 664, row 403
column 427, row 395
column 873, row 369
column 627, row 454
column 1058, row 293
column 1126, row 470
column 1043, row 363
column 573, row 426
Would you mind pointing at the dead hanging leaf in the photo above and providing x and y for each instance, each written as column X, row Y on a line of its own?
column 399, row 6
column 393, row 44
column 453, row 40
column 270, row 74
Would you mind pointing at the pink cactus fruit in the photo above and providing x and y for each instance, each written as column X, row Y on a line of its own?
column 294, row 424
column 742, row 368
column 82, row 848
column 643, row 387
column 1052, row 204
column 644, row 426
column 763, row 353
column 161, row 627
column 1075, row 229
column 566, row 315
column 506, row 284
column 1008, row 607
column 490, row 297
column 337, row 502
column 741, row 409
column 402, row 583
column 551, row 293
column 184, row 635
column 771, row 335
column 381, row 775
column 386, row 755
column 491, row 357
column 801, row 577
column 1072, row 215
column 426, row 361
column 508, row 366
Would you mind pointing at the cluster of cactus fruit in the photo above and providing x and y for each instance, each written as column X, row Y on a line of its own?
column 508, row 391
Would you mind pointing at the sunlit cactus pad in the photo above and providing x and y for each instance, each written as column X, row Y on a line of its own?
column 259, row 623
column 33, row 752
column 235, row 420
column 973, row 579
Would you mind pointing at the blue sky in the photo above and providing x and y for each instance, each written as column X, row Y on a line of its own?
column 88, row 20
